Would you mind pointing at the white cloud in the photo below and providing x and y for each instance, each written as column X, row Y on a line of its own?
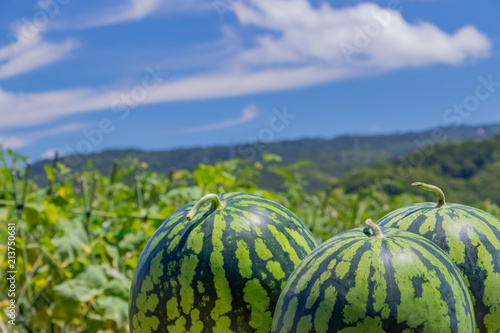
column 39, row 108
column 127, row 11
column 25, row 139
column 13, row 142
column 249, row 113
column 28, row 51
column 51, row 153
column 364, row 35
column 301, row 49
column 132, row 10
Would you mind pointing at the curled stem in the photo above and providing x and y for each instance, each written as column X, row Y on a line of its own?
column 432, row 188
column 209, row 197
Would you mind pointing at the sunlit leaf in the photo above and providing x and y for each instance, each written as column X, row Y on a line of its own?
column 73, row 239
column 50, row 171
column 93, row 276
column 113, row 308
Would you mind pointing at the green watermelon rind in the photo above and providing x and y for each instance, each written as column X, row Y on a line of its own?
column 355, row 283
column 471, row 238
column 222, row 271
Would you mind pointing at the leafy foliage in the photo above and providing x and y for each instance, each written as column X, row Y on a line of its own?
column 81, row 232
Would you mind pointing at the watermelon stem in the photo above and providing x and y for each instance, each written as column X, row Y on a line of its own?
column 377, row 233
column 209, row 197
column 432, row 188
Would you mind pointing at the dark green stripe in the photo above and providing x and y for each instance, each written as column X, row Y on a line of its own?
column 361, row 275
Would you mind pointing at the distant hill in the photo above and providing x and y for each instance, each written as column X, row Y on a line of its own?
column 468, row 171
column 330, row 158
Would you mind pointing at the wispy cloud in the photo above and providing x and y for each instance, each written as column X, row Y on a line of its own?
column 27, row 54
column 13, row 142
column 132, row 10
column 127, row 11
column 40, row 108
column 300, row 49
column 25, row 139
column 249, row 113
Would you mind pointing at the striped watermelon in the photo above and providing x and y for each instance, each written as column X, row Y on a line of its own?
column 375, row 280
column 217, row 268
column 471, row 237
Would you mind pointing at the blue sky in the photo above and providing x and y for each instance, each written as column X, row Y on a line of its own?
column 85, row 76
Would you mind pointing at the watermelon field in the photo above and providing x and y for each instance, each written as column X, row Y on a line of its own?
column 249, row 166
column 70, row 246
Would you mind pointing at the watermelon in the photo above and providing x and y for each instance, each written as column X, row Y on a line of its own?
column 218, row 267
column 375, row 280
column 471, row 237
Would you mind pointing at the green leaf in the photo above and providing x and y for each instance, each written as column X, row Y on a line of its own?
column 93, row 276
column 113, row 308
column 113, row 253
column 51, row 213
column 131, row 241
column 72, row 241
column 68, row 298
column 50, row 171
column 63, row 170
column 118, row 288
column 32, row 215
column 76, row 290
column 59, row 200
column 268, row 157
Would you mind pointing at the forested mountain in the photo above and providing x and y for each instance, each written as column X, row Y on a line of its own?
column 330, row 158
column 469, row 171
